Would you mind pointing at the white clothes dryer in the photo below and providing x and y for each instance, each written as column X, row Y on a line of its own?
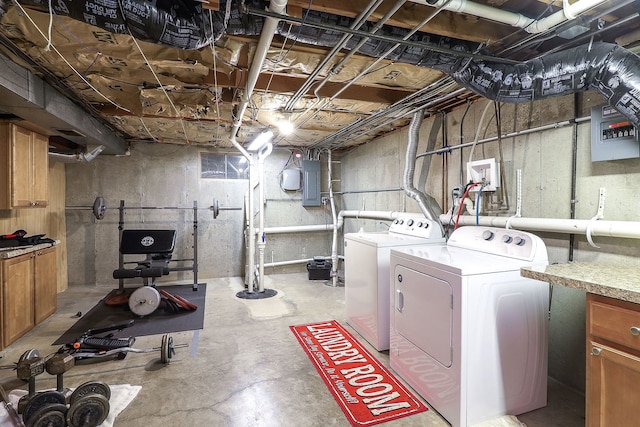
column 468, row 333
column 366, row 273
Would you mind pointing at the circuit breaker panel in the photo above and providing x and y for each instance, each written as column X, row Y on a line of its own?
column 613, row 137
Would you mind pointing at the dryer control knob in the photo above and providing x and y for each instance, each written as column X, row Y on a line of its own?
column 507, row 239
column 487, row 235
column 409, row 222
column 519, row 241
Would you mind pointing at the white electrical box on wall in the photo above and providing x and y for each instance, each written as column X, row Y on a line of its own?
column 291, row 179
column 485, row 171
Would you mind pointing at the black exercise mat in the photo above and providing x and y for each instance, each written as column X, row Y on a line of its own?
column 158, row 322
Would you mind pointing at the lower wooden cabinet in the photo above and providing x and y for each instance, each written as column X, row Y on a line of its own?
column 613, row 362
column 28, row 293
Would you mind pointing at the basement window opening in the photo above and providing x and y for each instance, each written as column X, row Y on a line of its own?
column 223, row 166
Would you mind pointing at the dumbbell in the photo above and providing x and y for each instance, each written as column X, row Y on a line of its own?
column 57, row 365
column 27, row 370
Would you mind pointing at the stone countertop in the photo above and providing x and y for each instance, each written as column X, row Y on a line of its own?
column 6, row 253
column 620, row 281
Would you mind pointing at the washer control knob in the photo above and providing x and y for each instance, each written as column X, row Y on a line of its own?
column 409, row 222
column 507, row 239
column 419, row 224
column 400, row 221
column 519, row 241
column 487, row 235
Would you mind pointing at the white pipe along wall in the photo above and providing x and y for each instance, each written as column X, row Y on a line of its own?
column 530, row 25
column 594, row 227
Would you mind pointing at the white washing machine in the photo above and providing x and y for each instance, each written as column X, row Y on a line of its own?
column 366, row 273
column 468, row 333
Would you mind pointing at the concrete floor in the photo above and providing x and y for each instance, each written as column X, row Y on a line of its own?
column 245, row 367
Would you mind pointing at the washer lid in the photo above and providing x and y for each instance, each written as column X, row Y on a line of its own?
column 384, row 239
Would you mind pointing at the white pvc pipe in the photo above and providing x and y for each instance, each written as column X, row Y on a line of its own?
column 570, row 11
column 262, row 236
column 334, row 244
column 390, row 215
column 622, row 229
column 268, row 31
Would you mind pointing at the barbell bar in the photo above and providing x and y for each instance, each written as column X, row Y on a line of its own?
column 99, row 208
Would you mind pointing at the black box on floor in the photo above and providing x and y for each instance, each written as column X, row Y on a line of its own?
column 319, row 269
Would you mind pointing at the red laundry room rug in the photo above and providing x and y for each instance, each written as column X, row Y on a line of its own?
column 365, row 390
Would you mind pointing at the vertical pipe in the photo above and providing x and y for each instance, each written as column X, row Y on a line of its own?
column 574, row 161
column 445, row 164
column 334, row 244
column 268, row 30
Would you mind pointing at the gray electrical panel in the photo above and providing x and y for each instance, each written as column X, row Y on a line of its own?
column 613, row 137
column 311, row 183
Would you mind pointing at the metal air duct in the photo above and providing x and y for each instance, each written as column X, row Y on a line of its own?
column 25, row 95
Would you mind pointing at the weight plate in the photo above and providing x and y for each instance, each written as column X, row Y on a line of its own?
column 40, row 400
column 90, row 387
column 167, row 350
column 99, row 207
column 144, row 300
column 52, row 415
column 215, row 208
column 88, row 411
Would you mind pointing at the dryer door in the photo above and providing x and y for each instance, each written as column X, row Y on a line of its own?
column 423, row 312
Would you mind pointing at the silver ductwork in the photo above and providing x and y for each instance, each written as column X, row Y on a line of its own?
column 427, row 204
column 83, row 157
column 25, row 95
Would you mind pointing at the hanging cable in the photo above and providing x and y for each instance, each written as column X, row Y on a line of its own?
column 24, row 12
column 184, row 129
column 48, row 46
column 478, row 199
column 464, row 196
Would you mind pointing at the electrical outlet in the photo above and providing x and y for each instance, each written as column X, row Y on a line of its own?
column 486, row 172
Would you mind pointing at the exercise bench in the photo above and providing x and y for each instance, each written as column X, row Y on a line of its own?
column 156, row 245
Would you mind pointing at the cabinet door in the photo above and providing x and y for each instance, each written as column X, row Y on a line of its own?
column 612, row 387
column 21, row 165
column 17, row 297
column 46, row 286
column 26, row 157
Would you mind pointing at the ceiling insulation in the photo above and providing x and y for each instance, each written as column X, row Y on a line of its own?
column 157, row 91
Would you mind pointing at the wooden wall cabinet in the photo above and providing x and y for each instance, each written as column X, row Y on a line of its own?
column 613, row 362
column 29, row 292
column 24, row 162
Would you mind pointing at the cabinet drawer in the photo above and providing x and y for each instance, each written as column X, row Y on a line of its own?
column 613, row 323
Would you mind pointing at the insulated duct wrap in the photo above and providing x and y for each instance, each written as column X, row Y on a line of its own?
column 608, row 68
column 177, row 23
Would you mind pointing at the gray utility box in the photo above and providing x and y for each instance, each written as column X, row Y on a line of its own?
column 613, row 137
column 311, row 183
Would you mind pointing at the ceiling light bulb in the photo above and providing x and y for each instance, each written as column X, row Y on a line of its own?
column 285, row 127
